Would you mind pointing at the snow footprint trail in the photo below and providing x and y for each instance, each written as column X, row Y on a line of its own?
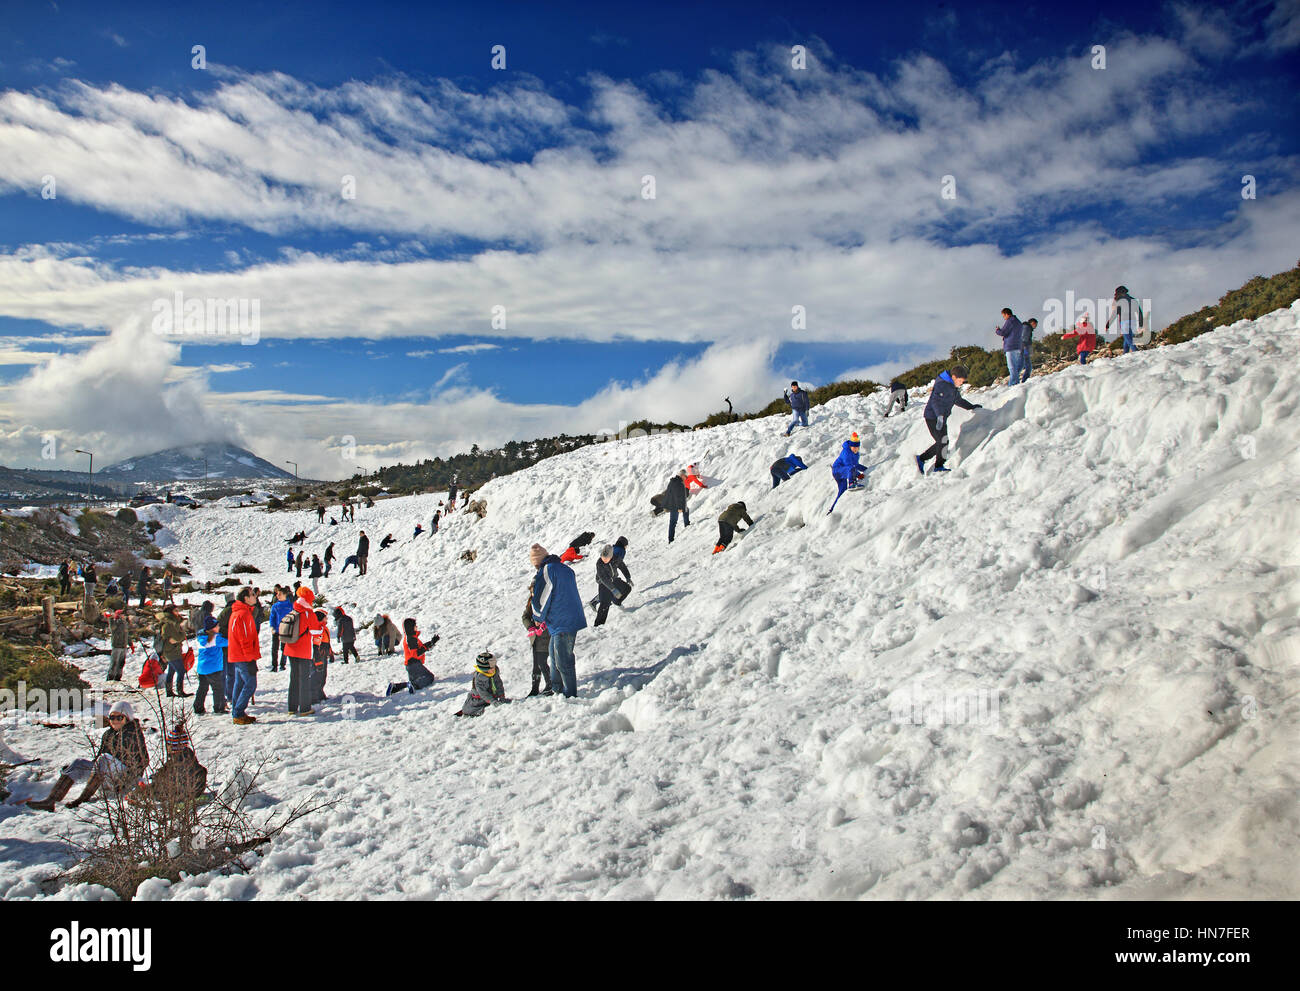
column 1067, row 669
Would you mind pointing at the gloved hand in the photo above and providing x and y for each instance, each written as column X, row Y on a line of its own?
column 978, row 406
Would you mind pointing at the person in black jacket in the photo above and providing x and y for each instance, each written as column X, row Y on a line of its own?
column 363, row 552
column 943, row 397
column 142, row 589
column 316, row 571
column 121, row 759
column 611, row 588
column 541, row 648
column 347, row 631
column 329, row 559
column 674, row 500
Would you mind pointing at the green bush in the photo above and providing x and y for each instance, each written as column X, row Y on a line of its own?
column 37, row 670
column 1253, row 300
column 127, row 515
column 274, row 503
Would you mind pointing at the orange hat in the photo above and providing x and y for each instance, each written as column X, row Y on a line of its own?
column 306, row 594
column 853, row 437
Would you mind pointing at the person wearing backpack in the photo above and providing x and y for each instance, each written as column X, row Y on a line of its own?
column 1122, row 311
column 296, row 629
column 279, row 608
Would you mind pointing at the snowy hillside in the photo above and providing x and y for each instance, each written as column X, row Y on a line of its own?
column 1066, row 669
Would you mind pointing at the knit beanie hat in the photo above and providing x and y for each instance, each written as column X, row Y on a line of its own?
column 178, row 739
column 607, row 551
column 306, row 594
column 124, row 708
column 853, row 438
column 537, row 554
column 485, row 662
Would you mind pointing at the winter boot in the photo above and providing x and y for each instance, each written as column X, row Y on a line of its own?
column 920, row 464
column 60, row 789
column 939, row 468
column 719, row 548
column 88, row 792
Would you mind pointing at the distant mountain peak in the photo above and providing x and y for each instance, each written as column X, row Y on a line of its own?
column 221, row 461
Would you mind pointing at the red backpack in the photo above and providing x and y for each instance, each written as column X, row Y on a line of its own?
column 151, row 673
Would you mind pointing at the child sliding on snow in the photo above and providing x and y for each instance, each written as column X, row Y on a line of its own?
column 487, row 688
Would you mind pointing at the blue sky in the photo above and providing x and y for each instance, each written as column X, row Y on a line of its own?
column 519, row 192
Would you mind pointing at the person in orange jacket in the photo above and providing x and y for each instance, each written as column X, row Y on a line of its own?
column 693, row 479
column 413, row 650
column 322, row 652
column 1087, row 335
column 299, row 653
column 242, row 653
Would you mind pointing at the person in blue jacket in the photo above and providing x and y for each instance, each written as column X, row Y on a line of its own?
column 943, row 397
column 797, row 399
column 281, row 607
column 289, row 557
column 846, row 471
column 557, row 604
column 210, row 667
column 783, row 468
column 1012, row 334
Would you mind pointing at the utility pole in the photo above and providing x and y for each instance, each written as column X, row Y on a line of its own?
column 295, row 468
column 91, row 473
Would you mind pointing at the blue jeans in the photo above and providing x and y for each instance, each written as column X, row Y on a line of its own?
column 1128, row 342
column 245, row 685
column 229, row 671
column 1028, row 366
column 672, row 522
column 564, row 676
column 176, row 669
column 800, row 417
column 1014, row 366
column 1083, row 357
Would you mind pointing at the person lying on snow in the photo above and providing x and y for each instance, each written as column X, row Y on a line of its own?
column 693, row 479
column 120, row 761
column 487, row 688
column 783, row 468
column 574, row 551
column 417, row 675
column 729, row 524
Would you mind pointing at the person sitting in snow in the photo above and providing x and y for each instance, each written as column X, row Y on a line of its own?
column 897, row 397
column 417, row 675
column 729, row 524
column 119, row 761
column 693, row 479
column 943, row 397
column 487, row 688
column 783, row 468
column 181, row 778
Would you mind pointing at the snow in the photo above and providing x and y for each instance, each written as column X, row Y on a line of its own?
column 1066, row 669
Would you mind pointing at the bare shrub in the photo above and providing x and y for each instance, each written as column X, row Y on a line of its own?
column 166, row 829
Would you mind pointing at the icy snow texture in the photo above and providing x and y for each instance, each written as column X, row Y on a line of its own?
column 1066, row 669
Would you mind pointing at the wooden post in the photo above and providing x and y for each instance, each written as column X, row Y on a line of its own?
column 47, row 607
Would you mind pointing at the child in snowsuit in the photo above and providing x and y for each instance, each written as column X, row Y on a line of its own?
column 846, row 471
column 417, row 675
column 321, row 654
column 783, row 468
column 541, row 647
column 181, row 778
column 386, row 635
column 729, row 524
column 487, row 688
column 897, row 397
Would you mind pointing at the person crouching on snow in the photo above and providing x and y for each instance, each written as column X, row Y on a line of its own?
column 417, row 675
column 119, row 761
column 487, row 688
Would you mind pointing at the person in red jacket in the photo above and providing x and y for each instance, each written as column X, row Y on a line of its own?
column 243, row 652
column 1087, row 336
column 299, row 653
column 693, row 479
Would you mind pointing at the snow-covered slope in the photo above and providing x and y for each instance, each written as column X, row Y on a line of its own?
column 1066, row 669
